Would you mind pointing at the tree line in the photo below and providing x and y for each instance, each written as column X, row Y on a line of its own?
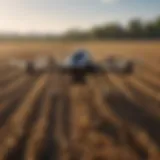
column 135, row 29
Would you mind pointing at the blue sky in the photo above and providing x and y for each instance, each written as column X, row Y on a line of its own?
column 58, row 15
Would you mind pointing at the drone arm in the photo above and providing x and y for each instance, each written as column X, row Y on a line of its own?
column 125, row 69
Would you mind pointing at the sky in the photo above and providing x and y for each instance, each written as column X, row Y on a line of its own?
column 57, row 16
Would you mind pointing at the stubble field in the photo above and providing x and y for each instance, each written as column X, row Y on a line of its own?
column 46, row 117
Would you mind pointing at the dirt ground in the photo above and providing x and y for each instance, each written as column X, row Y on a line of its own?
column 44, row 117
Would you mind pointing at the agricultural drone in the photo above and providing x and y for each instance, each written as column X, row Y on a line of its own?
column 78, row 65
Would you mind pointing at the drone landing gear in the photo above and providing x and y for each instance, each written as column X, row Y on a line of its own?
column 30, row 68
column 79, row 78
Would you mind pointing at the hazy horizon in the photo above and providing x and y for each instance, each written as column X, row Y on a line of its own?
column 46, row 16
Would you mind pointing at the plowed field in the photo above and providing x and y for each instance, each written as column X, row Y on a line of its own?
column 111, row 117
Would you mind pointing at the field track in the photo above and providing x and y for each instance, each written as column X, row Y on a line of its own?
column 111, row 117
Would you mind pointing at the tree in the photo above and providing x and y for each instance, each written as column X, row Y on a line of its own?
column 97, row 33
column 114, row 30
column 157, row 27
column 136, row 28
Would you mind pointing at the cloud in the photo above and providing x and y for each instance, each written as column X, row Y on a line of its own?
column 109, row 1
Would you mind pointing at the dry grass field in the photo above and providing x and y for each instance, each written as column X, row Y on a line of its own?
column 46, row 117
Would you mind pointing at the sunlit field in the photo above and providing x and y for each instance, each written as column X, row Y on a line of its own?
column 47, row 117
